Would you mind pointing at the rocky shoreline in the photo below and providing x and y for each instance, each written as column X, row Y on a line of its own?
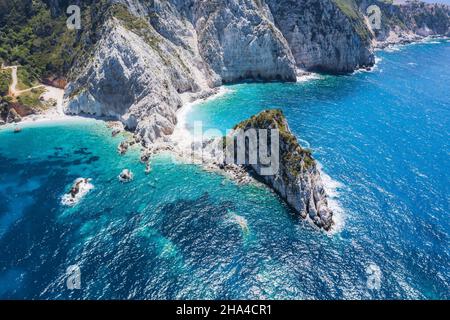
column 144, row 68
column 147, row 60
column 406, row 40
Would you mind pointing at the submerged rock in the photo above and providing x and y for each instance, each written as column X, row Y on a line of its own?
column 123, row 147
column 148, row 168
column 116, row 127
column 126, row 176
column 13, row 116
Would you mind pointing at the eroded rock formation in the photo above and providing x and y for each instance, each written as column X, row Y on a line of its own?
column 153, row 56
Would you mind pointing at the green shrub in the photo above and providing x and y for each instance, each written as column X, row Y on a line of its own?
column 31, row 98
column 34, row 38
column 24, row 79
column 5, row 81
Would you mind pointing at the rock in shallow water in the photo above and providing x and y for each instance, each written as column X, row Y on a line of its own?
column 126, row 176
column 79, row 189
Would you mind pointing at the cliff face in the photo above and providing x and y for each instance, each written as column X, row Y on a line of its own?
column 151, row 56
column 298, row 181
column 139, row 61
column 137, row 76
column 324, row 35
column 239, row 40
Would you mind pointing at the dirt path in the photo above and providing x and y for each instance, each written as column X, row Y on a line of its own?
column 13, row 92
column 50, row 93
column 12, row 87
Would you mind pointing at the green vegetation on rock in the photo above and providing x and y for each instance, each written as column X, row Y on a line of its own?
column 143, row 29
column 34, row 34
column 130, row 21
column 350, row 9
column 25, row 80
column 5, row 81
column 294, row 157
column 31, row 99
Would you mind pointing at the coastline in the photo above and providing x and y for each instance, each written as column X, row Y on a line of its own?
column 182, row 113
column 56, row 114
column 182, row 152
column 391, row 46
column 332, row 188
column 181, row 135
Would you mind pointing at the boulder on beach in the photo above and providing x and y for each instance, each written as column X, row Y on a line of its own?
column 13, row 116
column 115, row 132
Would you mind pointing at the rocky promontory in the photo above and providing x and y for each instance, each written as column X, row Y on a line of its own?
column 281, row 164
column 408, row 21
column 298, row 180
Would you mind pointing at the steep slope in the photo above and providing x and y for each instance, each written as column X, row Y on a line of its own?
column 136, row 76
column 151, row 57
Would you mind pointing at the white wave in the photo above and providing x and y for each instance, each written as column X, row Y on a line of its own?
column 332, row 188
column 240, row 220
column 84, row 186
column 308, row 77
column 393, row 48
column 304, row 143
column 373, row 69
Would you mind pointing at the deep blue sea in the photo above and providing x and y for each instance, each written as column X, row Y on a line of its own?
column 383, row 137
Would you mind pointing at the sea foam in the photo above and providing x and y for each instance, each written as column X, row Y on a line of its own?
column 332, row 188
column 84, row 188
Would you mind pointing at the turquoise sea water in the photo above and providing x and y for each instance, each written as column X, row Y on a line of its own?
column 180, row 232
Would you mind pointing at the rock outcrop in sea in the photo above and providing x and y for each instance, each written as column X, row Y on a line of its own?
column 250, row 153
column 138, row 61
column 297, row 180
